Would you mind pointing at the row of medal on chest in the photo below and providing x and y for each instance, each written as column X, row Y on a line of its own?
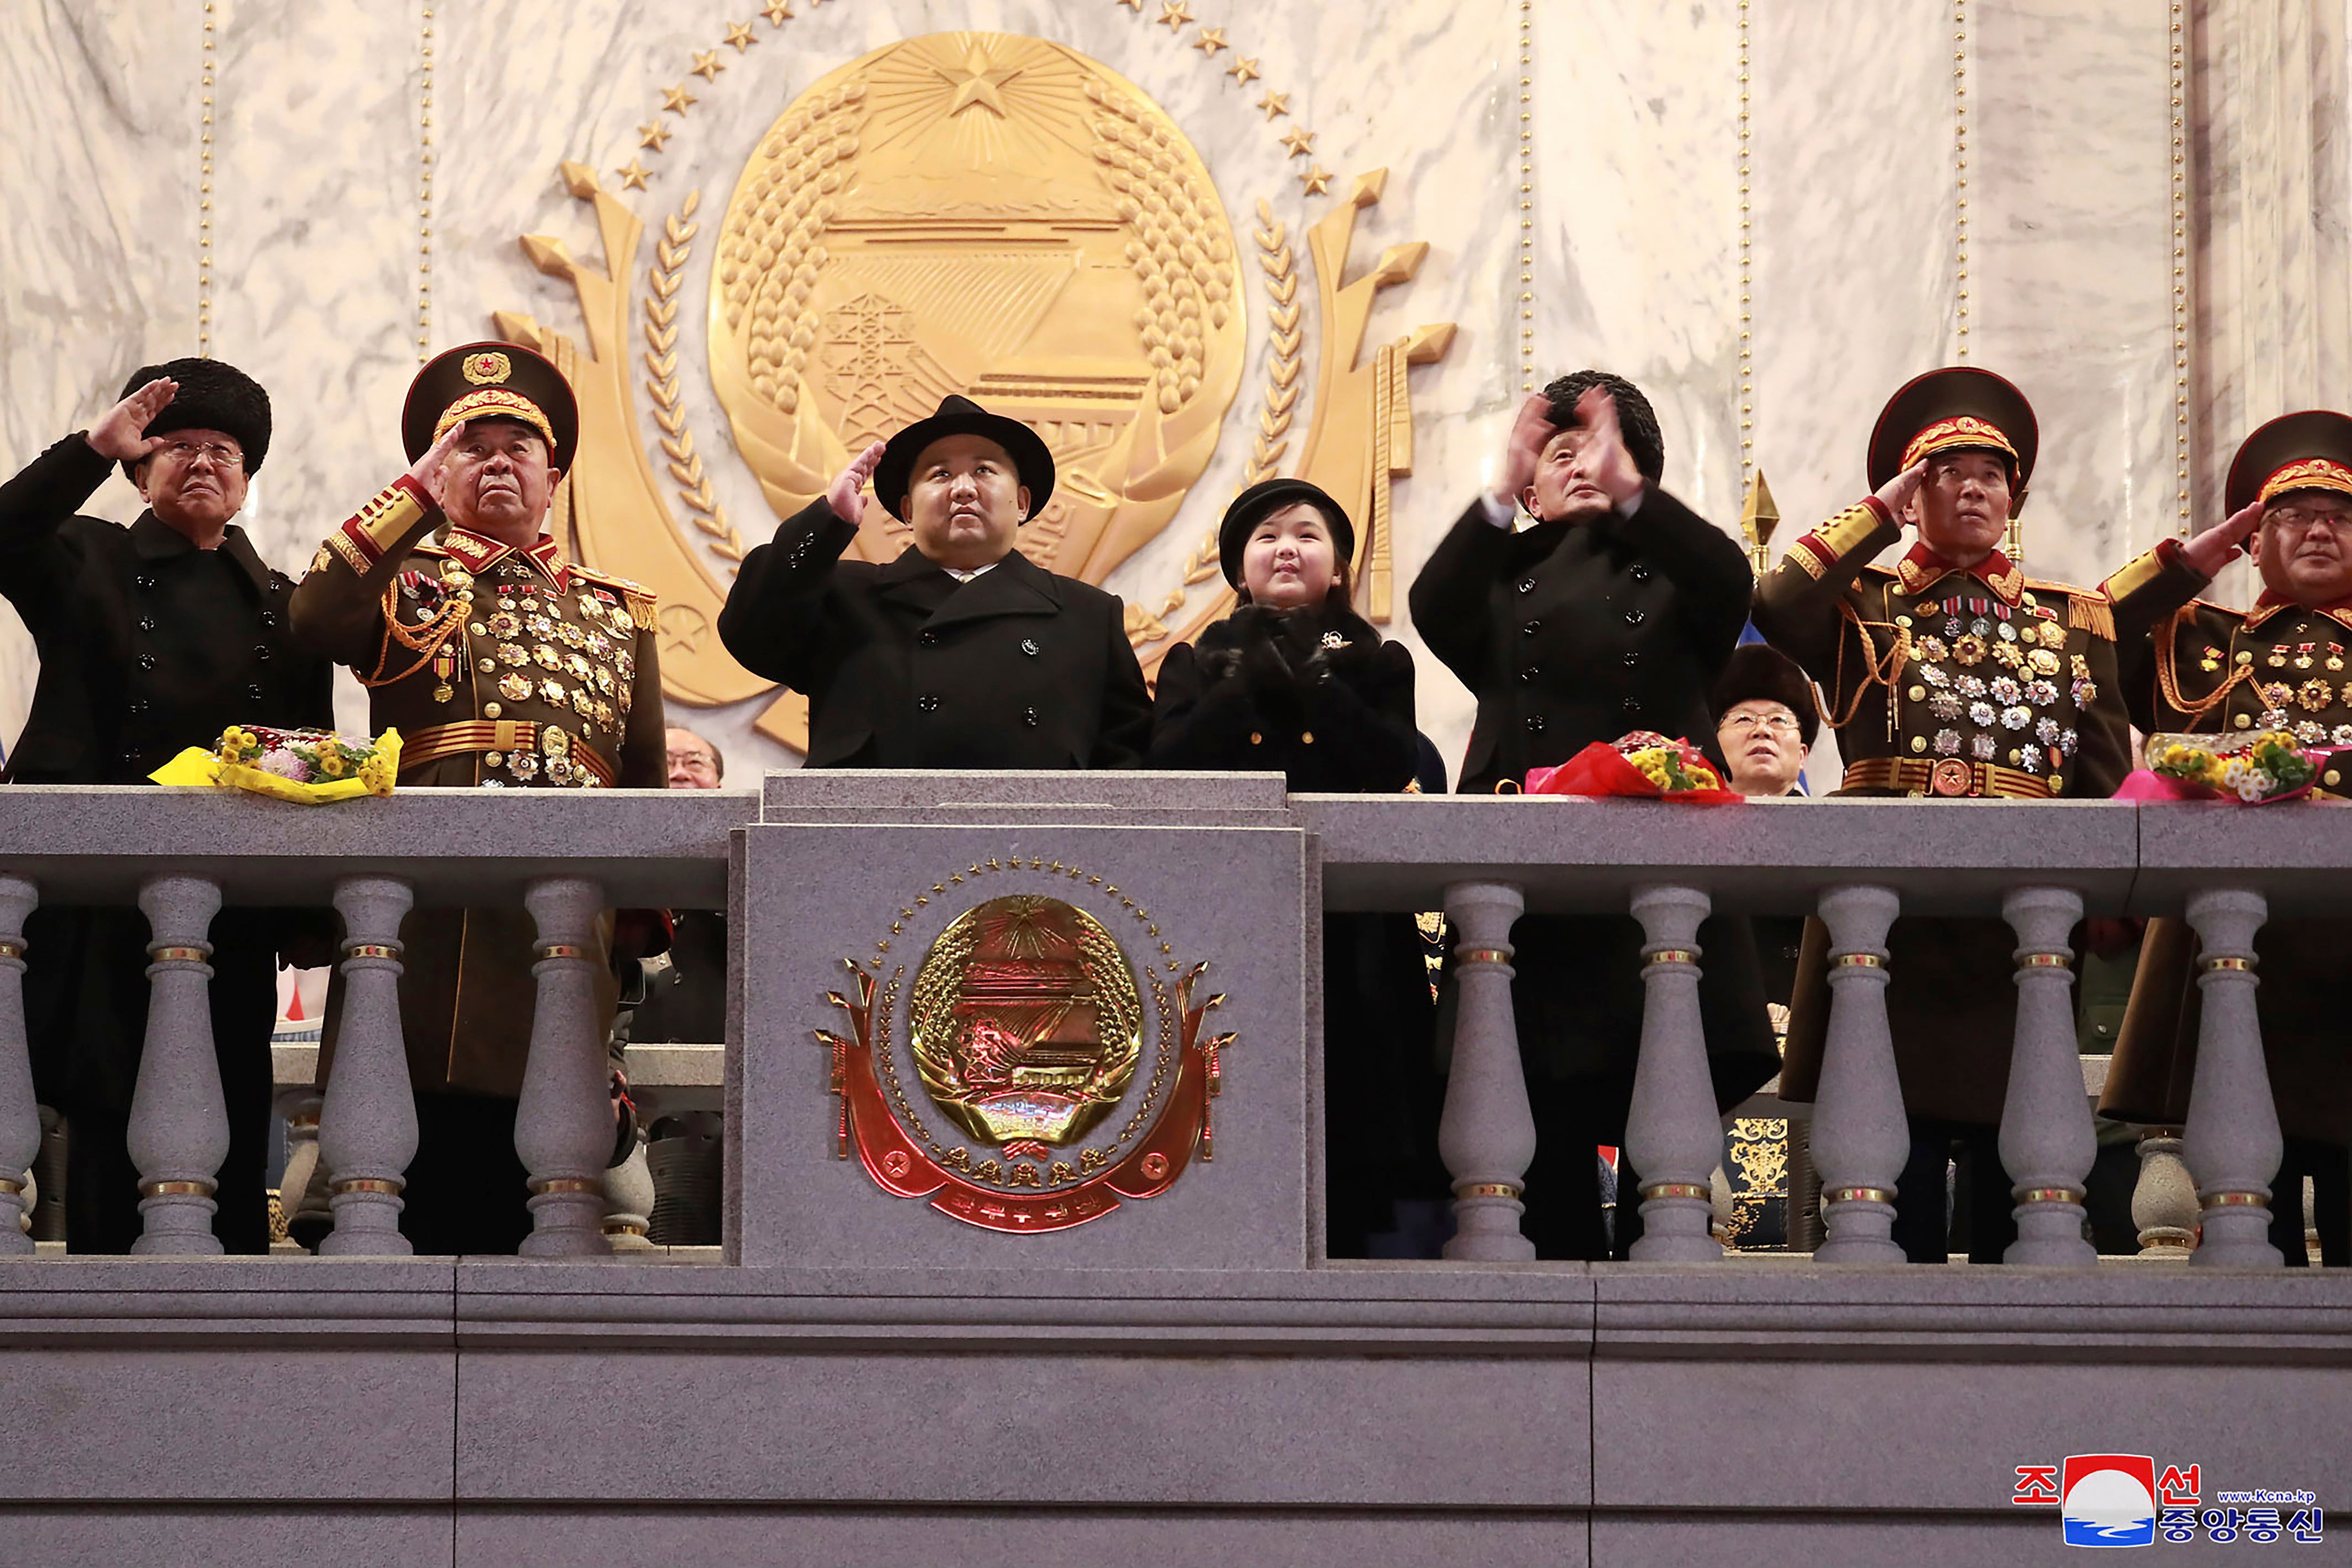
column 2025, row 662
column 2283, row 699
column 599, row 656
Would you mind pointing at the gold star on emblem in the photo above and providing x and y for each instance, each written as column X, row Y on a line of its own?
column 1211, row 41
column 675, row 100
column 1300, row 141
column 777, row 12
column 1243, row 70
column 633, row 174
column 1314, row 180
column 977, row 83
column 739, row 34
column 1174, row 14
column 1274, row 103
column 707, row 65
column 654, row 134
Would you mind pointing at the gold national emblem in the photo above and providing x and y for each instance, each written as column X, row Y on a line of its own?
column 488, row 369
column 1000, row 216
column 1027, row 1022
column 1028, row 1075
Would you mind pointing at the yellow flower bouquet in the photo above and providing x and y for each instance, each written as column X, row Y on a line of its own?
column 309, row 766
column 2256, row 768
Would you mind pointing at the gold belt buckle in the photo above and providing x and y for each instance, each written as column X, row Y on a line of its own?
column 1951, row 776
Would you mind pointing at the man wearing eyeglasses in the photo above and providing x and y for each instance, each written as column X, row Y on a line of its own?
column 151, row 638
column 2189, row 666
column 1765, row 718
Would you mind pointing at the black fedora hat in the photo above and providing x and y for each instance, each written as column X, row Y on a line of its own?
column 1958, row 408
column 2306, row 451
column 213, row 395
column 1270, row 496
column 959, row 415
column 492, row 381
column 1755, row 672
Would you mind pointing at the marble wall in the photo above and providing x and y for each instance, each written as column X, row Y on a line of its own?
column 1852, row 197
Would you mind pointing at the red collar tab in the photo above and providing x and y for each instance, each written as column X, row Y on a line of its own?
column 1922, row 567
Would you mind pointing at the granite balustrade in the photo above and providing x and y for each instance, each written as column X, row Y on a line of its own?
column 1858, row 863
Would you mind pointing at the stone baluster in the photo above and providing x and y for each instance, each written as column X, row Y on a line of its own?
column 2047, row 1139
column 1488, row 1133
column 1673, row 1138
column 2232, row 1139
column 20, row 1112
column 179, row 1117
column 2164, row 1200
column 563, row 1126
column 1859, row 1137
column 629, row 1202
column 298, row 1107
column 367, row 1126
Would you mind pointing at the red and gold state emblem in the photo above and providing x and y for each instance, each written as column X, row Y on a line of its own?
column 1026, row 1026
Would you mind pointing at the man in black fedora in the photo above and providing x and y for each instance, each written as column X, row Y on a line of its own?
column 151, row 638
column 961, row 653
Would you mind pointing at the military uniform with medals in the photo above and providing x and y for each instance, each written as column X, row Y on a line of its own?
column 2194, row 667
column 502, row 668
column 1944, row 684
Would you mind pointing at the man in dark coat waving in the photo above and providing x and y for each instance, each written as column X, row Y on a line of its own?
column 1614, row 611
column 152, row 637
column 961, row 653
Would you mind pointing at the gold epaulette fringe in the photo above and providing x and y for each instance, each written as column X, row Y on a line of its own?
column 2090, row 612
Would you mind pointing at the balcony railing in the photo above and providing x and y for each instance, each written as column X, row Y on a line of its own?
column 1858, row 864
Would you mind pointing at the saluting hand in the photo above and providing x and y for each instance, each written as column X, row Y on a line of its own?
column 845, row 495
column 122, row 434
column 1605, row 460
column 1896, row 492
column 429, row 470
column 2217, row 547
column 1531, row 432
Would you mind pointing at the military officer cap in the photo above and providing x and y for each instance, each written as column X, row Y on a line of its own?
column 895, row 475
column 1757, row 673
column 1956, row 409
column 2306, row 451
column 212, row 396
column 1262, row 499
column 492, row 381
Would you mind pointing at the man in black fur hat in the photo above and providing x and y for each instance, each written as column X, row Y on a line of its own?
column 1613, row 611
column 151, row 638
column 1766, row 717
column 961, row 653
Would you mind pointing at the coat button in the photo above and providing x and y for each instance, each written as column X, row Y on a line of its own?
column 269, row 620
column 1532, row 629
column 261, row 652
column 1529, row 673
column 927, row 702
column 1535, row 724
column 1641, row 574
column 1633, row 706
column 1029, row 647
column 927, row 636
column 146, row 661
column 146, row 623
column 145, row 580
column 253, row 691
column 1635, row 617
column 1029, row 717
column 138, row 710
column 1526, row 584
column 1628, row 660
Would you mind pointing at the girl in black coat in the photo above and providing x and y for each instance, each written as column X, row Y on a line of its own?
column 1294, row 681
